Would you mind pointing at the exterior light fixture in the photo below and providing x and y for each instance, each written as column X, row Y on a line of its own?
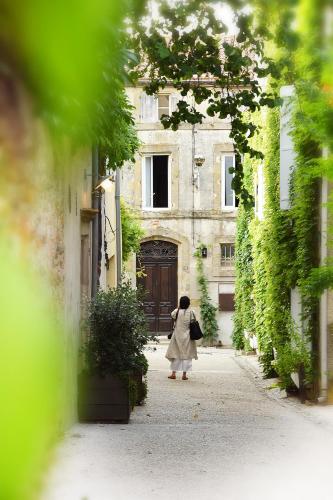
column 199, row 160
column 105, row 182
column 204, row 252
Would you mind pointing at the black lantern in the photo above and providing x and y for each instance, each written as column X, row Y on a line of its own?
column 204, row 252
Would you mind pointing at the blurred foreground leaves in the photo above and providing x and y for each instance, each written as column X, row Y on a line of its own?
column 62, row 70
column 31, row 375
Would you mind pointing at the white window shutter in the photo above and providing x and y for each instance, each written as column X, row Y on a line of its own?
column 148, row 105
column 287, row 153
column 174, row 99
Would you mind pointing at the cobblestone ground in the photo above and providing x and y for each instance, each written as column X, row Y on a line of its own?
column 220, row 435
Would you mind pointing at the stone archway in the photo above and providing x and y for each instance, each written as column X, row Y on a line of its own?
column 158, row 263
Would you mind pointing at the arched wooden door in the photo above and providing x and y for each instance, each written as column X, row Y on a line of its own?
column 158, row 261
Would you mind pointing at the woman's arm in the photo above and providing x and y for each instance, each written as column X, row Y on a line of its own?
column 174, row 313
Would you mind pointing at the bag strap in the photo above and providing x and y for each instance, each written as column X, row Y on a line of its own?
column 192, row 315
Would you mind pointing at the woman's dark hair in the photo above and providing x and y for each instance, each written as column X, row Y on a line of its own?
column 184, row 302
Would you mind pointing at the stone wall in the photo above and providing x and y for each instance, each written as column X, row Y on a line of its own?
column 195, row 215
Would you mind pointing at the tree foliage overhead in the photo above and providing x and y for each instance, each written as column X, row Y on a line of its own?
column 186, row 46
column 71, row 59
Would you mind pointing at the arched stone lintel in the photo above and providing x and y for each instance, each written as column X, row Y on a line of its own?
column 166, row 235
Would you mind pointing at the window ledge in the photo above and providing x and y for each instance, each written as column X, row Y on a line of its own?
column 156, row 209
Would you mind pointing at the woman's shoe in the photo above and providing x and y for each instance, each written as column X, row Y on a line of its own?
column 172, row 376
column 184, row 377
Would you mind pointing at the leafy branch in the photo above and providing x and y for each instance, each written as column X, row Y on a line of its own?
column 186, row 46
column 207, row 309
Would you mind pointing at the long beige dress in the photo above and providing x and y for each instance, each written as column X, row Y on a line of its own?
column 181, row 347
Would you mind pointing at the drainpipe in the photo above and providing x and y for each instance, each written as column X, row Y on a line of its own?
column 118, row 228
column 323, row 309
column 95, row 224
column 323, row 305
column 193, row 183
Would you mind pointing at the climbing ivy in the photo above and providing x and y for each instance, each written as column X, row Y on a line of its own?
column 244, row 309
column 267, row 247
column 207, row 309
column 131, row 231
column 284, row 245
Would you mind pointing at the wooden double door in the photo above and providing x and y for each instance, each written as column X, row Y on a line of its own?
column 158, row 261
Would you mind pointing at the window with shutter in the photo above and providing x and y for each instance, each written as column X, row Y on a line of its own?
column 287, row 153
column 148, row 108
column 152, row 108
column 226, row 302
column 156, row 182
column 174, row 99
column 163, row 105
column 227, row 254
column 229, row 200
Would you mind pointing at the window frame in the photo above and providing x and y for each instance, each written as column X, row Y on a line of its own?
column 163, row 107
column 143, row 177
column 227, row 208
column 229, row 261
column 156, row 107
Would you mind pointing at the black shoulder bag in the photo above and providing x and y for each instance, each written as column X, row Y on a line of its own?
column 174, row 324
column 195, row 330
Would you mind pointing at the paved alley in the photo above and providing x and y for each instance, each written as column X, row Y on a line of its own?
column 219, row 435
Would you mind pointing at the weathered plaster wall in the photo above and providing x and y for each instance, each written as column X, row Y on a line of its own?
column 108, row 276
column 64, row 188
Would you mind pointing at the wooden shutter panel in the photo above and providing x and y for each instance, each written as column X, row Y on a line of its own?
column 174, row 98
column 148, row 108
column 226, row 302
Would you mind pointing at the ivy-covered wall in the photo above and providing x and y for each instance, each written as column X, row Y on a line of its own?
column 268, row 265
column 280, row 253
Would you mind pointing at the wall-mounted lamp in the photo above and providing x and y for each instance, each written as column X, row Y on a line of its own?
column 204, row 252
column 199, row 160
column 105, row 182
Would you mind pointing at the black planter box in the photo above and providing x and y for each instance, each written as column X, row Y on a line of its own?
column 103, row 399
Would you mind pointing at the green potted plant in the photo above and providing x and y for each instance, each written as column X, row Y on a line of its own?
column 293, row 363
column 112, row 350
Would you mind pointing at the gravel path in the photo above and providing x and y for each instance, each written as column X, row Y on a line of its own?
column 219, row 435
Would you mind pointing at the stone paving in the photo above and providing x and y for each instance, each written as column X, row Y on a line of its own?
column 220, row 435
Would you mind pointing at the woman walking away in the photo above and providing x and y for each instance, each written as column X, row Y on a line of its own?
column 181, row 349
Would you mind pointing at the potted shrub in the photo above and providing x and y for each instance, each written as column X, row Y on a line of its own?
column 112, row 350
column 293, row 364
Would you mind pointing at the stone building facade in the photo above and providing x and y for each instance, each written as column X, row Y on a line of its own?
column 180, row 188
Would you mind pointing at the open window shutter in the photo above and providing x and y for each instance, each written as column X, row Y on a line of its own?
column 174, row 99
column 148, row 105
column 287, row 153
